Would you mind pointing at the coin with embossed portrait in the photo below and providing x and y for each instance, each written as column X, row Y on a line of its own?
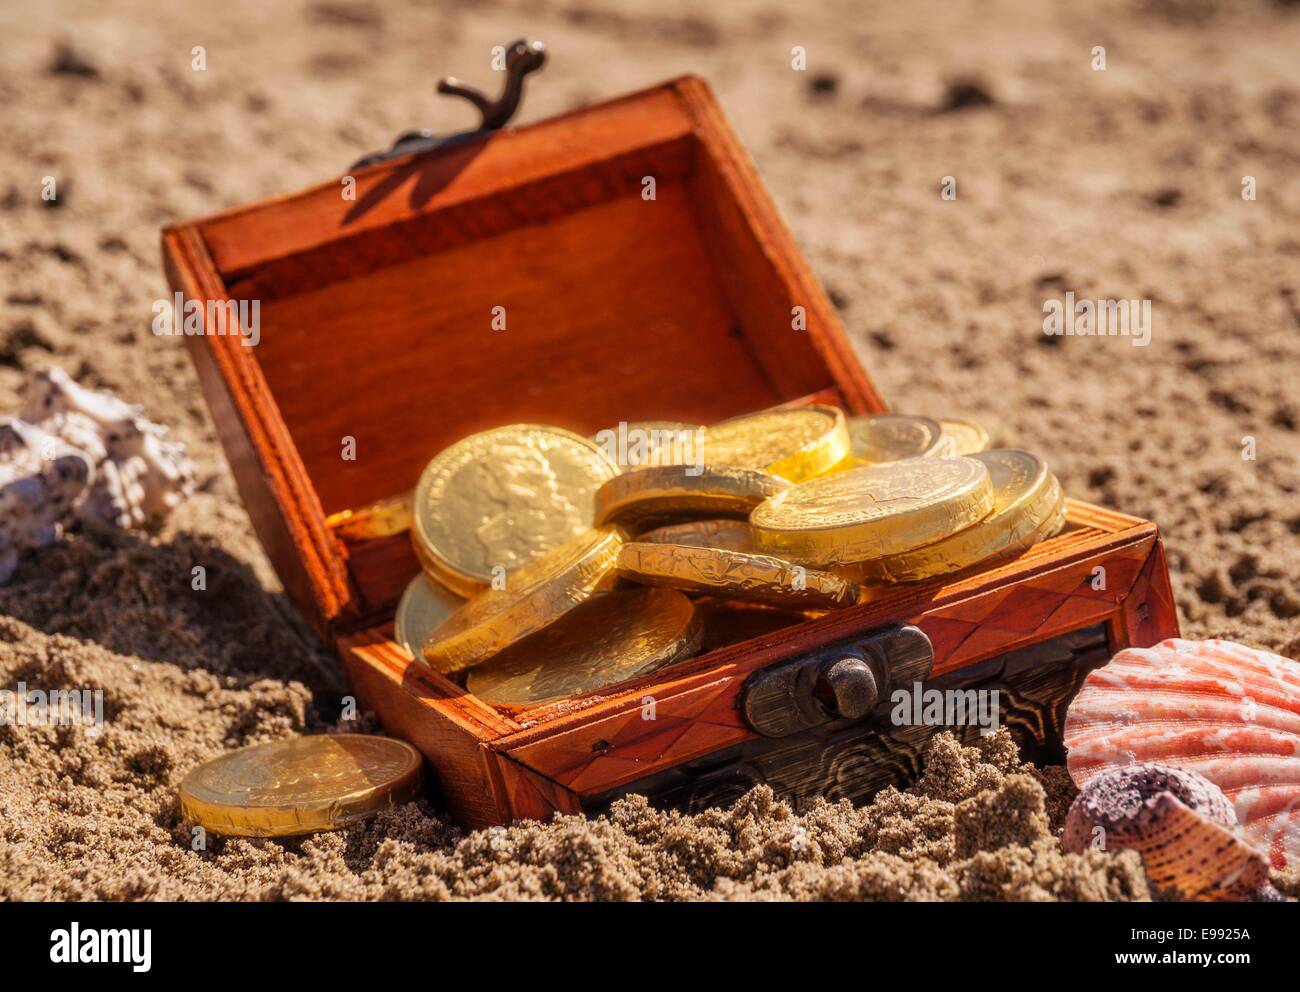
column 497, row 499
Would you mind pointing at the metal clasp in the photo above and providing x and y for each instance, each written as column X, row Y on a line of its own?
column 522, row 57
column 845, row 681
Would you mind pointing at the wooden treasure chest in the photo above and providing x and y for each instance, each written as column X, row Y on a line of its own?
column 376, row 332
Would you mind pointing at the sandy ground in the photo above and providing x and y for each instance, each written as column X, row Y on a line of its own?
column 1122, row 183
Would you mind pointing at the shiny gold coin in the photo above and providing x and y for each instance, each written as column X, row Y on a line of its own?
column 497, row 499
column 535, row 595
column 1026, row 499
column 796, row 443
column 300, row 785
column 424, row 605
column 736, row 575
column 888, row 437
column 729, row 535
column 644, row 443
column 870, row 512
column 1058, row 521
column 383, row 518
column 639, row 498
column 967, row 438
column 611, row 638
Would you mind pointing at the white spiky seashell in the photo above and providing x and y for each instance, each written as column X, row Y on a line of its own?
column 79, row 456
column 42, row 480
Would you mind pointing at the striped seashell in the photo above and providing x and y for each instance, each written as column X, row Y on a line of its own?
column 1179, row 822
column 1225, row 711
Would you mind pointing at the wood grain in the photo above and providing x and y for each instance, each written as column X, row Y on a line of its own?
column 281, row 503
column 760, row 268
column 400, row 190
column 695, row 704
column 376, row 327
column 448, row 726
column 853, row 761
column 611, row 314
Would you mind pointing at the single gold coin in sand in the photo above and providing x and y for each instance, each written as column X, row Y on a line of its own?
column 735, row 575
column 1026, row 500
column 729, row 535
column 495, row 500
column 796, row 443
column 382, row 518
column 610, row 638
column 642, row 497
column 300, row 785
column 888, row 437
column 424, row 605
column 866, row 513
column 643, row 443
column 533, row 597
column 966, row 437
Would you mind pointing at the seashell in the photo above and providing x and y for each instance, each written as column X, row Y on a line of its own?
column 41, row 480
column 1225, row 711
column 1181, row 824
column 53, row 391
column 79, row 456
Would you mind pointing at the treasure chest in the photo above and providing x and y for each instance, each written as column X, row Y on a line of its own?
column 622, row 262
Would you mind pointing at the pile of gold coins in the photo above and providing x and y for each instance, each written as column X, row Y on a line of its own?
column 555, row 565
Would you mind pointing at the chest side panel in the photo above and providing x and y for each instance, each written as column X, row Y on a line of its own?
column 1026, row 691
column 662, row 725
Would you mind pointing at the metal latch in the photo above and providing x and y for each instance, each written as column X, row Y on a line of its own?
column 521, row 57
column 844, row 681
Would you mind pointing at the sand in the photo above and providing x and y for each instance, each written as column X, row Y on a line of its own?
column 1124, row 183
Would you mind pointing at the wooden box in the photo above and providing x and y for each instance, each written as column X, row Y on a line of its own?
column 376, row 331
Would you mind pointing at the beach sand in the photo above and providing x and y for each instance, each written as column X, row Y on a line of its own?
column 1122, row 183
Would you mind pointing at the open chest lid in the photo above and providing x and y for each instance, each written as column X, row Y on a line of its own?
column 622, row 262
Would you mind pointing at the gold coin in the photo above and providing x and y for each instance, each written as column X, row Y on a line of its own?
column 300, row 785
column 423, row 606
column 640, row 497
column 643, row 443
column 1026, row 500
column 967, row 438
column 729, row 535
column 383, row 518
column 535, row 595
column 888, row 437
column 796, row 443
column 736, row 575
column 874, row 511
column 1058, row 520
column 611, row 638
column 497, row 499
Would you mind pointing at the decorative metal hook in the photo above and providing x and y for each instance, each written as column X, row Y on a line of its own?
column 522, row 57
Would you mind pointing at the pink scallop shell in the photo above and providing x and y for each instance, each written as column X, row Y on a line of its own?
column 1223, row 710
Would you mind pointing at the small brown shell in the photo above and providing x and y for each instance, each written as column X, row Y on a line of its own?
column 1181, row 824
